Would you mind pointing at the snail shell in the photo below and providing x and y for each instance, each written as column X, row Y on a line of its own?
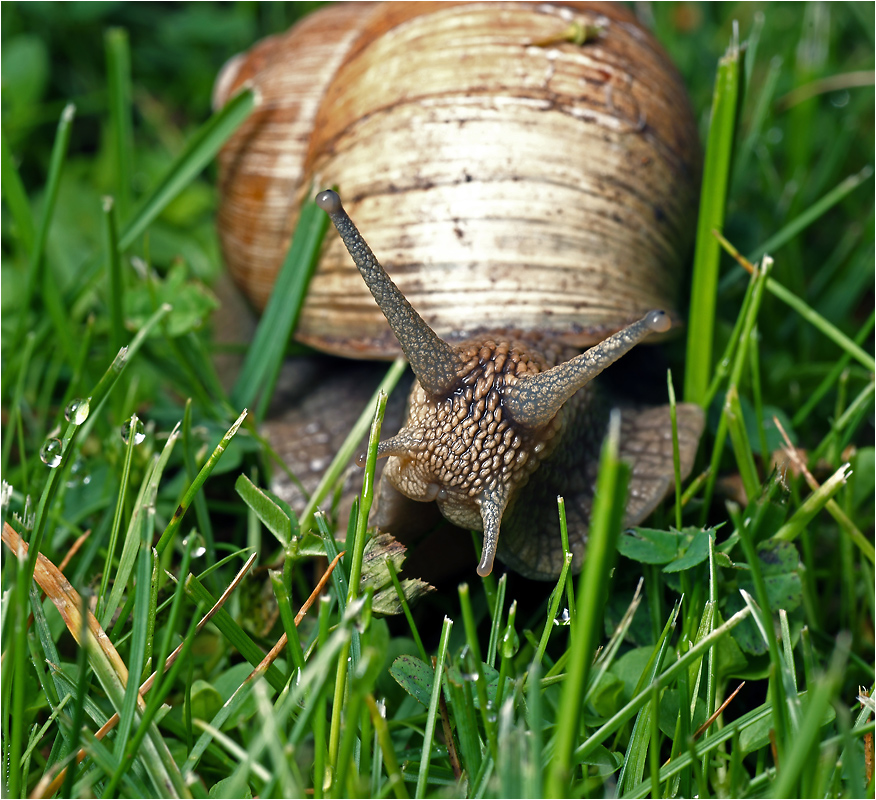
column 504, row 181
column 527, row 195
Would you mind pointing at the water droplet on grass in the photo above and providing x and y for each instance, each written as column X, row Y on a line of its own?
column 77, row 411
column 50, row 452
column 133, row 427
column 198, row 548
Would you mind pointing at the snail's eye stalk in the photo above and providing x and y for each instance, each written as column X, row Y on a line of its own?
column 434, row 362
column 534, row 401
column 329, row 201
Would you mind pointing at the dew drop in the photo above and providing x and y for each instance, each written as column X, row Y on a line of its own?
column 564, row 618
column 198, row 548
column 133, row 426
column 50, row 452
column 774, row 135
column 839, row 99
column 510, row 644
column 77, row 411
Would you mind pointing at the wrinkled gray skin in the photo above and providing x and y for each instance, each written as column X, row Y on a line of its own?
column 496, row 428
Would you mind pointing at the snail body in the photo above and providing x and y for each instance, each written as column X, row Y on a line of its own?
column 531, row 196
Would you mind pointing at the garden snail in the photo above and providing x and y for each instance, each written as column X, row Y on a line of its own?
column 529, row 196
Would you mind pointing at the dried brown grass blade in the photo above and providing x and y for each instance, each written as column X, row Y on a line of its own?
column 45, row 788
column 705, row 726
column 281, row 643
column 67, row 600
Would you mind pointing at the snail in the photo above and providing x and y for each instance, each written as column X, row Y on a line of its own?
column 530, row 196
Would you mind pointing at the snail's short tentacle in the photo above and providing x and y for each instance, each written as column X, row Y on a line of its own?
column 534, row 400
column 492, row 506
column 434, row 362
column 401, row 444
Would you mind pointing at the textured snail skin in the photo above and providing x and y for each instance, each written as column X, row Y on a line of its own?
column 484, row 416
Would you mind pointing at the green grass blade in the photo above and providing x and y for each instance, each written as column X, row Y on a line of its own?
column 53, row 182
column 173, row 526
column 741, row 445
column 816, row 210
column 676, row 458
column 806, row 738
column 230, row 629
column 743, row 331
column 394, row 776
column 103, row 388
column 535, row 721
column 346, row 666
column 48, row 648
column 553, row 607
column 16, row 197
column 496, row 615
column 463, row 713
column 121, row 502
column 287, row 617
column 812, row 505
column 15, row 405
column 118, row 69
column 155, row 758
column 311, row 682
column 475, row 665
column 14, row 678
column 137, row 658
column 393, row 574
column 137, row 532
column 264, row 356
column 80, row 696
column 762, row 616
column 716, row 174
column 605, row 523
column 626, row 713
column 367, row 498
column 200, row 150
column 115, row 289
column 608, row 653
column 205, row 526
column 634, row 758
column 425, row 759
column 820, row 323
column 271, row 514
column 56, row 310
column 830, row 380
column 283, row 776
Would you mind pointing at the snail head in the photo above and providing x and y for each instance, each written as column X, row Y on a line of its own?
column 482, row 414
